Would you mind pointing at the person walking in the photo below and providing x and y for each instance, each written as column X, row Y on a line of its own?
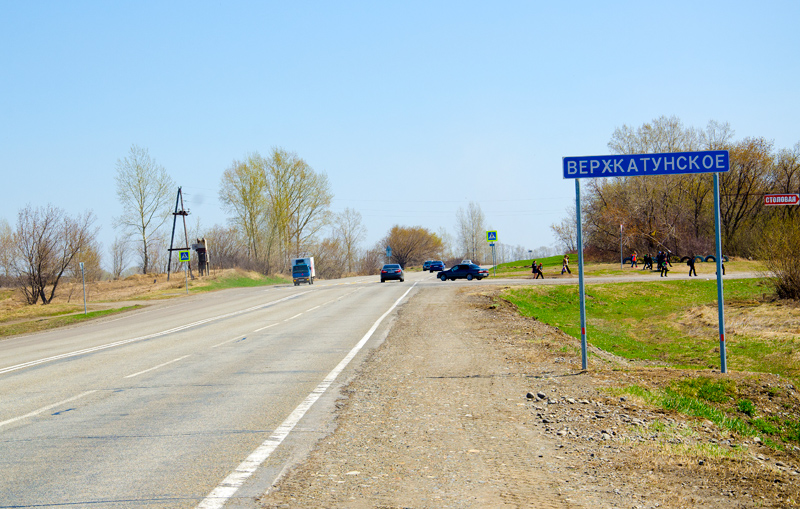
column 539, row 272
column 648, row 262
column 634, row 263
column 690, row 263
column 664, row 264
column 534, row 268
column 565, row 265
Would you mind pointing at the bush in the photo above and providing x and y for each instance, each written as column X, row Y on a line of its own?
column 781, row 254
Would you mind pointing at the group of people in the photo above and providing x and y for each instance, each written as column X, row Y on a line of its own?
column 536, row 269
column 663, row 263
column 661, row 259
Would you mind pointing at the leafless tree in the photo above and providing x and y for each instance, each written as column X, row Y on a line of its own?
column 471, row 232
column 119, row 257
column 349, row 231
column 146, row 192
column 6, row 250
column 567, row 230
column 47, row 241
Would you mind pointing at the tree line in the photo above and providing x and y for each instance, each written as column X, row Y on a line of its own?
column 674, row 213
column 278, row 208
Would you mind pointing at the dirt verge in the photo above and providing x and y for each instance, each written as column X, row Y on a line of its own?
column 466, row 404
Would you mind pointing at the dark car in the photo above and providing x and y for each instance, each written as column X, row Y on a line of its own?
column 427, row 265
column 468, row 271
column 392, row 271
column 436, row 265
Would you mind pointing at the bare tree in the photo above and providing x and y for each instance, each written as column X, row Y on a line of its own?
column 349, row 231
column 371, row 260
column 6, row 249
column 567, row 230
column 471, row 232
column 145, row 190
column 119, row 257
column 47, row 241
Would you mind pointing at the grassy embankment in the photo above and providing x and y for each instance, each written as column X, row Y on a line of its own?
column 19, row 318
column 551, row 266
column 675, row 324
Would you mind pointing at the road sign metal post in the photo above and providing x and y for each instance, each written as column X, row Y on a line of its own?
column 491, row 238
column 185, row 257
column 723, row 362
column 629, row 165
column 581, row 289
column 83, row 277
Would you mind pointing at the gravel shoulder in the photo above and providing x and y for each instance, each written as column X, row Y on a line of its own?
column 466, row 404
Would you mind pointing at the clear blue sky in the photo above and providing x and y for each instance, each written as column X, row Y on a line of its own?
column 413, row 109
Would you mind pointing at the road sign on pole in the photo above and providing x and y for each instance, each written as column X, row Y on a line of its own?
column 184, row 256
column 491, row 236
column 629, row 165
column 781, row 199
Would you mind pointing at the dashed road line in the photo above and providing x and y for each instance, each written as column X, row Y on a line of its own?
column 156, row 367
column 45, row 409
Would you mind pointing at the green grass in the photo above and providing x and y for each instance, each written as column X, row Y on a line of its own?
column 30, row 326
column 646, row 321
column 239, row 281
column 551, row 266
column 716, row 401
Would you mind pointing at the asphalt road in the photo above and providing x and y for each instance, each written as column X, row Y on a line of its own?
column 199, row 401
column 196, row 402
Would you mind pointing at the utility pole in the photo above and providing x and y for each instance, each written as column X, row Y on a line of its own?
column 182, row 212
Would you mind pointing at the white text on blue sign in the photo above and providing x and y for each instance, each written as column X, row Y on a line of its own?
column 712, row 161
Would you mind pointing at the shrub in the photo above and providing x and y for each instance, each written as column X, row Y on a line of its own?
column 781, row 254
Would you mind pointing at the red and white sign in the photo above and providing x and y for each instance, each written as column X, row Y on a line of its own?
column 781, row 199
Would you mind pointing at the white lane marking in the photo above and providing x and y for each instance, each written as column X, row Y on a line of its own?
column 267, row 327
column 229, row 341
column 292, row 318
column 312, row 309
column 156, row 367
column 140, row 338
column 231, row 484
column 45, row 409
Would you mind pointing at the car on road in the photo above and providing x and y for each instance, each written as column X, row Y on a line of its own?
column 468, row 271
column 436, row 265
column 392, row 271
column 427, row 265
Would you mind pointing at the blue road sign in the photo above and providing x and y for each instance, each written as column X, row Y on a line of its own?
column 491, row 236
column 183, row 256
column 672, row 163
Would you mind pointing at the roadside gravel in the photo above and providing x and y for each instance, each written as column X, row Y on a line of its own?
column 466, row 404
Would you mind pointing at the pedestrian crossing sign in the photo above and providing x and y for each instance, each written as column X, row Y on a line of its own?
column 183, row 256
column 491, row 236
